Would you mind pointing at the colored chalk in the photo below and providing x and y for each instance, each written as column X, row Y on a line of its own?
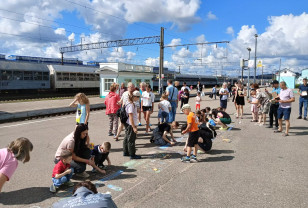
column 113, row 187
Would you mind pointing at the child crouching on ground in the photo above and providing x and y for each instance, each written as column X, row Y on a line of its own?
column 100, row 154
column 62, row 173
column 192, row 128
column 160, row 134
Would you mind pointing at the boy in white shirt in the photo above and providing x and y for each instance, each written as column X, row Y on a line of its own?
column 165, row 107
column 147, row 103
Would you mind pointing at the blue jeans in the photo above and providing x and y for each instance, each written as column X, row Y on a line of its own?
column 164, row 117
column 58, row 182
column 172, row 112
column 303, row 102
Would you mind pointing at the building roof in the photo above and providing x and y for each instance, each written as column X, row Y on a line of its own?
column 22, row 66
column 72, row 68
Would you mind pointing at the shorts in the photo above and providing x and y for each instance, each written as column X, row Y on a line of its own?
column 223, row 103
column 146, row 108
column 193, row 138
column 198, row 106
column 264, row 109
column 284, row 112
column 225, row 120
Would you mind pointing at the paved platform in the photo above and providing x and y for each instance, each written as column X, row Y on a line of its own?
column 248, row 166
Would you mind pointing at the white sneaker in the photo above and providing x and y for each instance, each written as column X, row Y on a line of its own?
column 83, row 175
column 53, row 188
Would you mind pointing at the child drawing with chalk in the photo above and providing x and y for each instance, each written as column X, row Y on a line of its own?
column 100, row 153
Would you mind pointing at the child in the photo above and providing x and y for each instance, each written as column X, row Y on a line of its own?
column 198, row 100
column 62, row 173
column 147, row 103
column 199, row 117
column 192, row 128
column 160, row 134
column 208, row 110
column 83, row 108
column 165, row 107
column 254, row 106
column 100, row 154
column 203, row 113
column 211, row 120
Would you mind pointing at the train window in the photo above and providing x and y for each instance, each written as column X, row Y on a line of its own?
column 80, row 76
column 18, row 75
column 66, row 76
column 138, row 81
column 92, row 77
column 59, row 76
column 108, row 83
column 86, row 77
column 96, row 77
column 45, row 76
column 6, row 75
column 37, row 75
column 28, row 75
column 73, row 76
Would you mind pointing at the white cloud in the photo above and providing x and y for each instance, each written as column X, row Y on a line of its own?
column 211, row 16
column 60, row 31
column 230, row 31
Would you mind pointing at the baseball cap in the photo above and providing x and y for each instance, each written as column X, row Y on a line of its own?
column 186, row 106
column 136, row 93
column 275, row 82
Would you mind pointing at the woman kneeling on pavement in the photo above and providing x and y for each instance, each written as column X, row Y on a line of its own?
column 78, row 143
column 222, row 118
column 85, row 195
column 160, row 134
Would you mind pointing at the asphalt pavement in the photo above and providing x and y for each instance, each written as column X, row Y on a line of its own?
column 248, row 166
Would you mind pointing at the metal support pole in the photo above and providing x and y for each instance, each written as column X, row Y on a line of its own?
column 62, row 58
column 262, row 76
column 248, row 86
column 161, row 59
column 254, row 78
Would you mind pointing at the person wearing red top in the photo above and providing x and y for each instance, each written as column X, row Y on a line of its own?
column 112, row 105
column 62, row 173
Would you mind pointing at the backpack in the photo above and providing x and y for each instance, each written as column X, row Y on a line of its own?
column 121, row 113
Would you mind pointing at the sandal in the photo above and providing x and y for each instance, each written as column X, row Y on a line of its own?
column 285, row 134
column 277, row 131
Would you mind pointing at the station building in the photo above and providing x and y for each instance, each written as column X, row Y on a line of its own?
column 122, row 72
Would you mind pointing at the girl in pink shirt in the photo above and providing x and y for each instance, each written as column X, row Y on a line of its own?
column 17, row 150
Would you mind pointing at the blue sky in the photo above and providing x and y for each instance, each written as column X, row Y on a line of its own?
column 189, row 20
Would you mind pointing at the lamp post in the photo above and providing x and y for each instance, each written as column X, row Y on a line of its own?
column 256, row 37
column 248, row 85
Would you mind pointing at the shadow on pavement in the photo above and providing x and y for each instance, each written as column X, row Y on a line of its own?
column 216, row 152
column 25, row 196
column 217, row 159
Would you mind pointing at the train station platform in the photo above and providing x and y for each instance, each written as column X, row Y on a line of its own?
column 33, row 109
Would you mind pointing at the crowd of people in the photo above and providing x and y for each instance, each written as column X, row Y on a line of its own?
column 125, row 107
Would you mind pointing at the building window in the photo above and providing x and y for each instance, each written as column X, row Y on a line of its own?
column 138, row 81
column 147, row 81
column 18, row 75
column 37, row 75
column 28, row 75
column 108, row 83
column 127, row 81
column 59, row 76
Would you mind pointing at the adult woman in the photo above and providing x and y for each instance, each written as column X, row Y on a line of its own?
column 147, row 106
column 85, row 195
column 122, row 89
column 16, row 150
column 83, row 108
column 112, row 105
column 77, row 142
column 222, row 118
column 240, row 94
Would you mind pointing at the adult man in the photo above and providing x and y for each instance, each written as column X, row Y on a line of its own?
column 172, row 93
column 184, row 86
column 285, row 99
column 214, row 91
column 274, row 105
column 303, row 100
column 199, row 87
column 223, row 92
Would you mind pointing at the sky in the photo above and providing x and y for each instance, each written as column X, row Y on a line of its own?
column 41, row 27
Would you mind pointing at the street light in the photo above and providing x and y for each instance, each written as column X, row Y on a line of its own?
column 248, row 85
column 254, row 79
